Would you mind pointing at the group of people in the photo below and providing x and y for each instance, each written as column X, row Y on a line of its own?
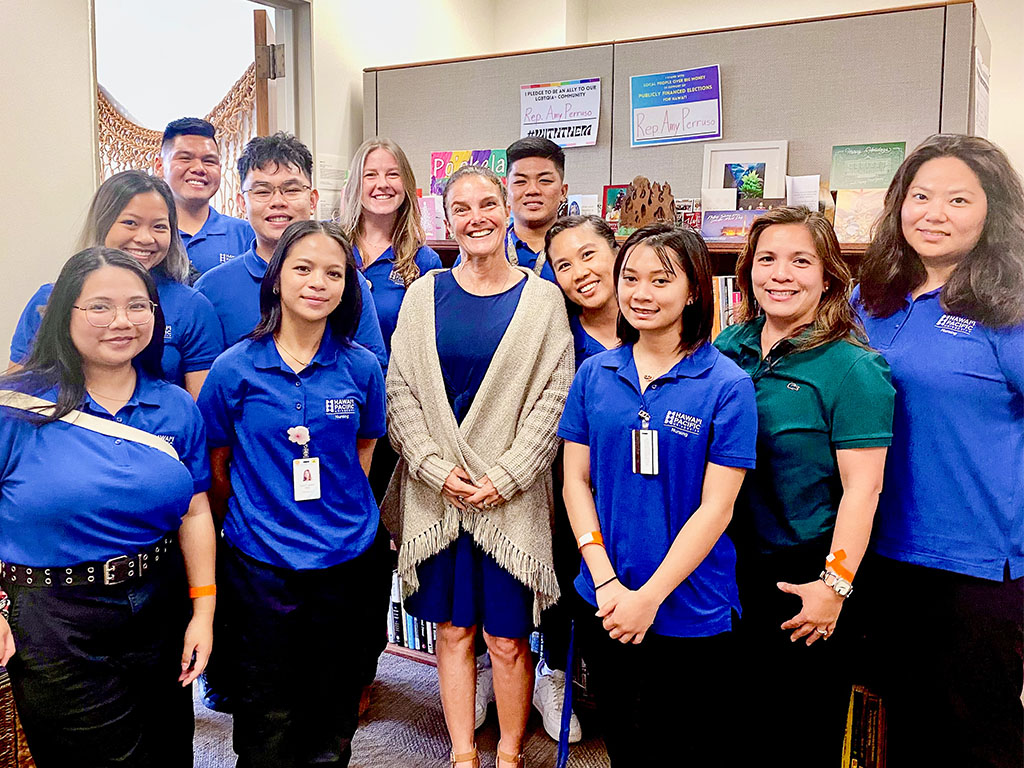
column 548, row 435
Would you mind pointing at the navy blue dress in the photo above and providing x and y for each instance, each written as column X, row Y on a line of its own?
column 462, row 584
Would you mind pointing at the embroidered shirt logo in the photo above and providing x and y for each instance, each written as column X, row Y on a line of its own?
column 396, row 277
column 955, row 325
column 168, row 332
column 340, row 408
column 683, row 423
column 793, row 386
column 169, row 439
column 226, row 257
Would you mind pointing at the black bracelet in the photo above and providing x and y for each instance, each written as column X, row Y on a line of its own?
column 606, row 583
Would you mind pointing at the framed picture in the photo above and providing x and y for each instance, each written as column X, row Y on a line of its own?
column 611, row 202
column 755, row 168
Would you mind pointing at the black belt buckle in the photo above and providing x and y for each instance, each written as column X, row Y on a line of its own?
column 118, row 569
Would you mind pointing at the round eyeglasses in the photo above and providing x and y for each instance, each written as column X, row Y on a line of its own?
column 99, row 314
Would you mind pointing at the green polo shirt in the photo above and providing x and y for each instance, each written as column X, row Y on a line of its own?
column 810, row 404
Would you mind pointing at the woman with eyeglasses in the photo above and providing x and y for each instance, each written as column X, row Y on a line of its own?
column 104, row 524
column 135, row 213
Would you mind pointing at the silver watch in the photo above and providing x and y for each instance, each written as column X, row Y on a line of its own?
column 836, row 583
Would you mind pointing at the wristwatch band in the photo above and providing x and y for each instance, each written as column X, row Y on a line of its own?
column 836, row 583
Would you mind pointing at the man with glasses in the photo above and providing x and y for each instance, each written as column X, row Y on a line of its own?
column 189, row 162
column 277, row 189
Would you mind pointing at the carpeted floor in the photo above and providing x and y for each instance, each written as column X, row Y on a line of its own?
column 404, row 727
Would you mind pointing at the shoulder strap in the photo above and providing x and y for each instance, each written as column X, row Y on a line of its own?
column 38, row 405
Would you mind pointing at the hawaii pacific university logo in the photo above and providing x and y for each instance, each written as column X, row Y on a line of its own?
column 683, row 424
column 340, row 408
column 955, row 325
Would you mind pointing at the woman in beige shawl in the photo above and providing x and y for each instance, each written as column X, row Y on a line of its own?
column 482, row 360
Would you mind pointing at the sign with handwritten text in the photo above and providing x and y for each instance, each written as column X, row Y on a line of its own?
column 670, row 107
column 566, row 112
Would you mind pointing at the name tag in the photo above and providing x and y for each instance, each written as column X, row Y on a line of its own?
column 306, row 479
column 645, row 451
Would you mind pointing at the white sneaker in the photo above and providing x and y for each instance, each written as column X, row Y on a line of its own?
column 548, row 695
column 484, row 688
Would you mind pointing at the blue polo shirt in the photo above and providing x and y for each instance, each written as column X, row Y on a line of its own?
column 234, row 290
column 192, row 332
column 953, row 496
column 388, row 288
column 584, row 345
column 526, row 256
column 220, row 239
column 69, row 495
column 704, row 411
column 249, row 401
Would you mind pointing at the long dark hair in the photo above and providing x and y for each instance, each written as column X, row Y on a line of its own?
column 834, row 317
column 988, row 283
column 344, row 320
column 676, row 247
column 113, row 196
column 54, row 359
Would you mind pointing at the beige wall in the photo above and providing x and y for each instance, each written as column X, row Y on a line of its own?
column 1003, row 19
column 349, row 35
column 47, row 126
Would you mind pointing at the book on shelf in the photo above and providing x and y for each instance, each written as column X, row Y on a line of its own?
column 726, row 297
column 864, row 744
column 404, row 629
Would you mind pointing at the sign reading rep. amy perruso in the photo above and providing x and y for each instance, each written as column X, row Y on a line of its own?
column 566, row 112
column 670, row 107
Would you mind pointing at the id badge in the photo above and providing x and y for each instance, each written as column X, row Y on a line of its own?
column 306, row 479
column 645, row 451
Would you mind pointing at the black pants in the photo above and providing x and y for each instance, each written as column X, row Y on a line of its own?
column 950, row 663
column 292, row 642
column 795, row 697
column 95, row 676
column 556, row 621
column 663, row 702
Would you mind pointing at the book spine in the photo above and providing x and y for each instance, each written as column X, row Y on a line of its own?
column 430, row 636
column 396, row 609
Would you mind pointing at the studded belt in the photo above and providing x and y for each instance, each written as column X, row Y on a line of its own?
column 116, row 570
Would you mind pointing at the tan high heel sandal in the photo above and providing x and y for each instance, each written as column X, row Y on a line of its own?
column 464, row 757
column 517, row 761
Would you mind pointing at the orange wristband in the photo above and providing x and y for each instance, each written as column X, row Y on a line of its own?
column 594, row 537
column 208, row 591
column 834, row 562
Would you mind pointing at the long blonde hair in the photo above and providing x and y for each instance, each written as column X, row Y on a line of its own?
column 408, row 234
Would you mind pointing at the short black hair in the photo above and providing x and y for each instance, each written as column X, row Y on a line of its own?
column 536, row 146
column 344, row 320
column 280, row 149
column 188, row 126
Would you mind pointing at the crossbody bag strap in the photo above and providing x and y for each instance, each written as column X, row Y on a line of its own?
column 39, row 406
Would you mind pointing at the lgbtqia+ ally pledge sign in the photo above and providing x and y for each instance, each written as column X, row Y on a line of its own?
column 671, row 107
column 566, row 112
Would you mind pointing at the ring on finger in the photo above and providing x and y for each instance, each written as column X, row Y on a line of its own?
column 822, row 632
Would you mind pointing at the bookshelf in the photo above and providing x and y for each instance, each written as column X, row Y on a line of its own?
column 407, row 653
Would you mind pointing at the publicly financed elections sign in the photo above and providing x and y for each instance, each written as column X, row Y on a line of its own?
column 670, row 107
column 566, row 112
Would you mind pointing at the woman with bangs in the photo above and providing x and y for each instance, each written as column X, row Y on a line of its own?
column 942, row 298
column 658, row 435
column 824, row 406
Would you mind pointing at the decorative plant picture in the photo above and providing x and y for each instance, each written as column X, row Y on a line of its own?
column 748, row 178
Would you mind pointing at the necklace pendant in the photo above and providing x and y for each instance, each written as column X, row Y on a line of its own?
column 648, row 376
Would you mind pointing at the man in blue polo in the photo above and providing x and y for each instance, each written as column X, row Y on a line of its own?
column 277, row 189
column 190, row 163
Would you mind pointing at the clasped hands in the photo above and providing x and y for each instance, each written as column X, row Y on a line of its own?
column 627, row 614
column 460, row 490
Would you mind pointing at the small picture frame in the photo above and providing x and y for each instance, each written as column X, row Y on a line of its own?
column 729, row 163
column 611, row 202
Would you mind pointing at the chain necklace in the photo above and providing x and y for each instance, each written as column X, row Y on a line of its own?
column 284, row 349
